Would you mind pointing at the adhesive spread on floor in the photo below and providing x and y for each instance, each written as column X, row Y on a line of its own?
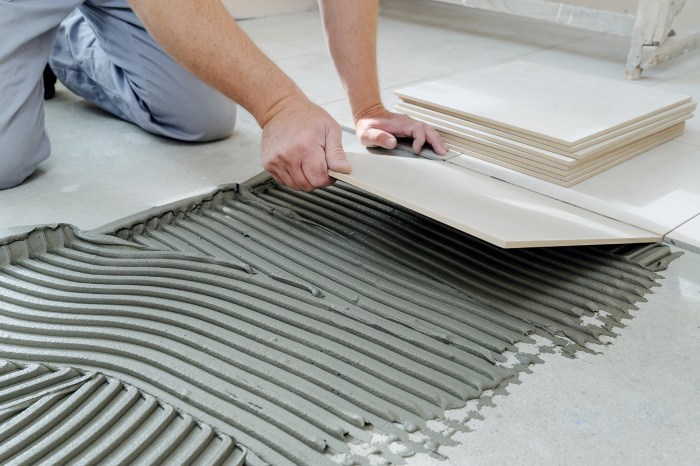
column 299, row 324
column 63, row 415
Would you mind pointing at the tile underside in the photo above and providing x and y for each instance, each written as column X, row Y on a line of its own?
column 298, row 322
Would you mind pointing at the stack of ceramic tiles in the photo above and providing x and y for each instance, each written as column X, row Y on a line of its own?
column 557, row 125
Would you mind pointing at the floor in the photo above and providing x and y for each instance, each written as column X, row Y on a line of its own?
column 636, row 403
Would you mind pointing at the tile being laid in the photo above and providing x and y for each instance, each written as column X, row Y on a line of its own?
column 656, row 191
column 549, row 103
column 687, row 235
column 495, row 211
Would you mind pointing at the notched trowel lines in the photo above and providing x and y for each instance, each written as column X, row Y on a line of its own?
column 59, row 416
column 296, row 323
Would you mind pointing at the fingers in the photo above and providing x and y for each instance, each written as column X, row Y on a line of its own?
column 300, row 145
column 283, row 177
column 336, row 159
column 315, row 170
column 373, row 137
column 303, row 171
column 435, row 140
column 383, row 130
column 418, row 135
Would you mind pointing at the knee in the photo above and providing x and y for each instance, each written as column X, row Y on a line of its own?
column 215, row 122
column 22, row 149
column 205, row 118
column 17, row 164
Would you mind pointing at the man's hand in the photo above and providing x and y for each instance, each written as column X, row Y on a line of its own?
column 300, row 143
column 378, row 126
column 300, row 140
column 351, row 30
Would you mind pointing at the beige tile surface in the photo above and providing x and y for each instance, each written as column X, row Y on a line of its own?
column 567, row 181
column 494, row 211
column 570, row 172
column 529, row 148
column 544, row 164
column 545, row 102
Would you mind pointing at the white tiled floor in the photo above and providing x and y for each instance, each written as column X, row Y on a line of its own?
column 687, row 235
column 635, row 404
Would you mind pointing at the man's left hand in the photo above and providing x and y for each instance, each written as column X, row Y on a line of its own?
column 378, row 127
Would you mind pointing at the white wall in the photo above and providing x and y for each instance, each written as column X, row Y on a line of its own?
column 242, row 9
column 688, row 19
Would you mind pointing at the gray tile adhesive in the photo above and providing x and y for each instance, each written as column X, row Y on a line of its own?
column 281, row 326
column 56, row 416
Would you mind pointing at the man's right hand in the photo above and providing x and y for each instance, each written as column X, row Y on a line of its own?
column 300, row 143
column 300, row 140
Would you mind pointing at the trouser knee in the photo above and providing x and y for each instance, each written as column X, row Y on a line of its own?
column 23, row 140
column 139, row 83
column 20, row 158
column 215, row 119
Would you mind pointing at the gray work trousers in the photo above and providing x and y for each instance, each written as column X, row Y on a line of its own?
column 99, row 50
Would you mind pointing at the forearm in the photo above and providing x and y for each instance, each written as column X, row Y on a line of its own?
column 203, row 38
column 351, row 29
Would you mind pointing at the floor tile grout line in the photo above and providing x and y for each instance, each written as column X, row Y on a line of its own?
column 693, row 144
column 685, row 222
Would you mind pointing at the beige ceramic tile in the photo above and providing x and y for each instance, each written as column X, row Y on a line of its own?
column 570, row 151
column 529, row 149
column 547, row 165
column 546, row 102
column 571, row 172
column 489, row 209
column 566, row 181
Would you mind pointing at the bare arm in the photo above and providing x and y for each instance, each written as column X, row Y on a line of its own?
column 351, row 30
column 300, row 140
column 202, row 37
